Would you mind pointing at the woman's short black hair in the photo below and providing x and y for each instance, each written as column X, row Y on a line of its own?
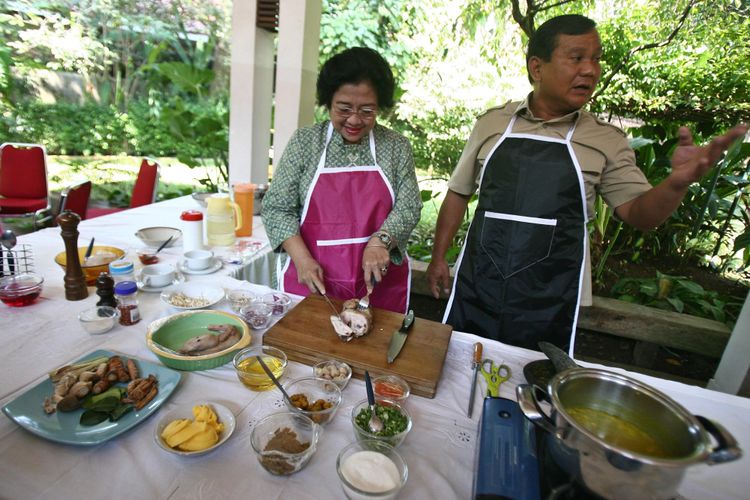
column 544, row 40
column 354, row 66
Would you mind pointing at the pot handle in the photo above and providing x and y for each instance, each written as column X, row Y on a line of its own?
column 526, row 394
column 727, row 451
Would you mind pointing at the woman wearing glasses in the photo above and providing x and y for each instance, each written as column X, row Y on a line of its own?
column 344, row 197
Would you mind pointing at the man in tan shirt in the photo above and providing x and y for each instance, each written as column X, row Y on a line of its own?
column 538, row 165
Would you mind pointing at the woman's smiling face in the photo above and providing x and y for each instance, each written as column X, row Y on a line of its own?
column 354, row 111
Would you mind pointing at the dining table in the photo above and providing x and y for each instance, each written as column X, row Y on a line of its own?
column 440, row 450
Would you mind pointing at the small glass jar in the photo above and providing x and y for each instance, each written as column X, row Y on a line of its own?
column 127, row 302
column 122, row 270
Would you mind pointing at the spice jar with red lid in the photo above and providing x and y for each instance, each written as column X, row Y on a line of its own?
column 127, row 302
column 192, row 230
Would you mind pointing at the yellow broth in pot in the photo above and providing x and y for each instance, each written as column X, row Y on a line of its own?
column 617, row 432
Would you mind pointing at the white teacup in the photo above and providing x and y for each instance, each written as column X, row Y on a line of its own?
column 158, row 275
column 197, row 260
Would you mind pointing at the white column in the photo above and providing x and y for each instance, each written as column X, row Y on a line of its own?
column 250, row 96
column 296, row 69
column 733, row 374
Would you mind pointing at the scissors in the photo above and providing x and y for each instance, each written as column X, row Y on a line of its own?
column 494, row 375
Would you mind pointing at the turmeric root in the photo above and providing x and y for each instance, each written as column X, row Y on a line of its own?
column 132, row 370
column 116, row 370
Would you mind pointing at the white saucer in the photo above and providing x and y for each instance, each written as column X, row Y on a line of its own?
column 210, row 269
column 178, row 279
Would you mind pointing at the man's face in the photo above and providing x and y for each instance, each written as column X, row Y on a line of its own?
column 354, row 111
column 566, row 82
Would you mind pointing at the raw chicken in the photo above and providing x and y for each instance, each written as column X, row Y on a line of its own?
column 352, row 322
column 211, row 343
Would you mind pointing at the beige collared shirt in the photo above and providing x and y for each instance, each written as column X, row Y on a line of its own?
column 606, row 159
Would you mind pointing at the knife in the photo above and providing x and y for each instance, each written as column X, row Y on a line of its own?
column 399, row 336
column 333, row 308
column 476, row 364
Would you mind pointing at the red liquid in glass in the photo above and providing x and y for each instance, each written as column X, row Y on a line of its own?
column 21, row 300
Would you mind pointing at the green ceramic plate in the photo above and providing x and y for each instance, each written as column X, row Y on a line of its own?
column 173, row 331
column 27, row 409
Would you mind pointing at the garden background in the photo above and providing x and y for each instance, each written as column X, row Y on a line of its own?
column 103, row 82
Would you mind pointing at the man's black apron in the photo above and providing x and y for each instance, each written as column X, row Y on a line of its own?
column 519, row 274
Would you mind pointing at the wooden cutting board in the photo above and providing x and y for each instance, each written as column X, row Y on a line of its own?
column 306, row 335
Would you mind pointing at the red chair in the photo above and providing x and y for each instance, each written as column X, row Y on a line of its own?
column 76, row 199
column 23, row 182
column 144, row 189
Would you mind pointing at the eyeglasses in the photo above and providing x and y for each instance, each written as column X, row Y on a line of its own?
column 365, row 112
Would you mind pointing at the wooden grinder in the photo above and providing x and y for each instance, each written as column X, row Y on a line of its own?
column 75, row 281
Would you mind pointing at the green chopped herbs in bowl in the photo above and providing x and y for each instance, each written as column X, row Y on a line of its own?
column 396, row 421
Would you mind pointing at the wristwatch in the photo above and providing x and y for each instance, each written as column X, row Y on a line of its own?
column 385, row 238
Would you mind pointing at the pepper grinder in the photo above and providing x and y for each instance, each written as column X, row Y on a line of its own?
column 105, row 289
column 75, row 281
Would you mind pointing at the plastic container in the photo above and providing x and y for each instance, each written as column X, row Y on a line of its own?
column 122, row 270
column 223, row 219
column 192, row 230
column 244, row 195
column 127, row 302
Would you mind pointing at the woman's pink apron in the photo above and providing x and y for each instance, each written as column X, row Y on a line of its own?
column 343, row 208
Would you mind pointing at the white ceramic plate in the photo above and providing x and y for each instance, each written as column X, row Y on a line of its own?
column 178, row 279
column 211, row 294
column 155, row 236
column 215, row 266
column 225, row 416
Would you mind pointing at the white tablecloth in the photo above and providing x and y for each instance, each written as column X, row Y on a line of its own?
column 439, row 450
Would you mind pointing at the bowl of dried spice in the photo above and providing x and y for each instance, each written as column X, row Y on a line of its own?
column 285, row 442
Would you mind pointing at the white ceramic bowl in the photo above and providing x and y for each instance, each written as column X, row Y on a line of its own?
column 224, row 415
column 189, row 296
column 155, row 236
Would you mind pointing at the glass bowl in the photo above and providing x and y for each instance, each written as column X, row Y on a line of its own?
column 257, row 315
column 336, row 371
column 391, row 387
column 240, row 298
column 251, row 373
column 357, row 483
column 285, row 442
column 98, row 319
column 148, row 256
column 279, row 302
column 311, row 392
column 21, row 289
column 380, row 405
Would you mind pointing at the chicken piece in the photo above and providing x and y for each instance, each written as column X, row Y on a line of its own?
column 352, row 322
column 199, row 343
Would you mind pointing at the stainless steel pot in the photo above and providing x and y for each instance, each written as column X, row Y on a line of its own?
column 610, row 470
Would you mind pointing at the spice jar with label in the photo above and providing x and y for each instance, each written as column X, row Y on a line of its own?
column 122, row 270
column 127, row 302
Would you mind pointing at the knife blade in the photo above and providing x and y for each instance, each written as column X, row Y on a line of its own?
column 333, row 308
column 399, row 336
column 477, row 362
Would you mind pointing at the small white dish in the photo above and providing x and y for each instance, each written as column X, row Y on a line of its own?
column 211, row 295
column 223, row 413
column 178, row 279
column 155, row 236
column 215, row 266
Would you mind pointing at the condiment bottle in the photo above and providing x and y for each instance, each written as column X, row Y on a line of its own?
column 127, row 302
column 122, row 270
column 192, row 230
column 243, row 196
column 105, row 289
column 223, row 219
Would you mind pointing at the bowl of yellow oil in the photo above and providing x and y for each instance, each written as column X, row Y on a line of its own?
column 251, row 372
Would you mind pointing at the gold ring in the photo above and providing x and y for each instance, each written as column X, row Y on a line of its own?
column 384, row 269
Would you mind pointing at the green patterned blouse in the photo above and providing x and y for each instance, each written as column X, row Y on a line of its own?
column 282, row 204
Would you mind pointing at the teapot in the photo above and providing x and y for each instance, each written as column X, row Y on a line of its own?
column 223, row 219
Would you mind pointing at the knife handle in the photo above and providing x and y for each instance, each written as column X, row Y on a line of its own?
column 478, row 353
